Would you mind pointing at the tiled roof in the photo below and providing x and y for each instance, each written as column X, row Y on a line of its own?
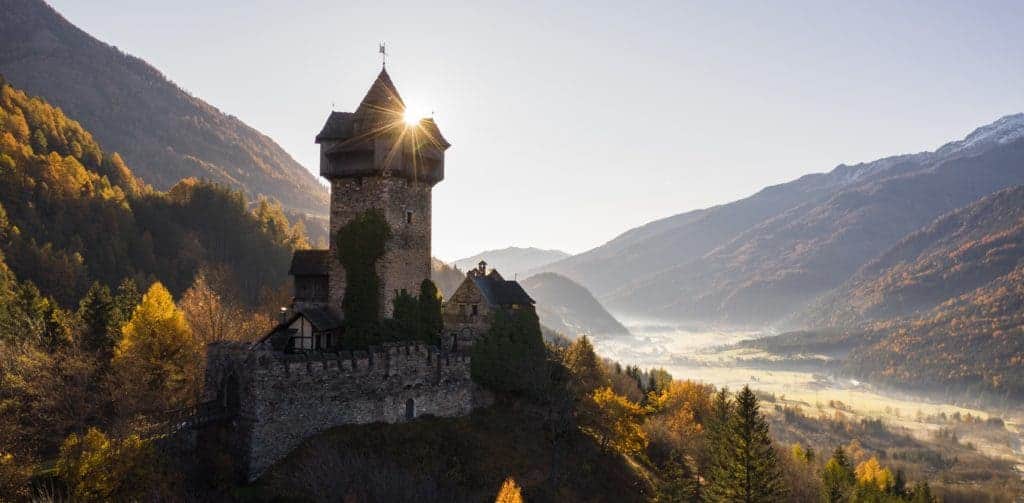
column 499, row 292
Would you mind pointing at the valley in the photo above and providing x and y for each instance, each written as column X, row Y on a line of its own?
column 806, row 382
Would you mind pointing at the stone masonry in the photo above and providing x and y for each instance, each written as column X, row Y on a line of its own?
column 277, row 399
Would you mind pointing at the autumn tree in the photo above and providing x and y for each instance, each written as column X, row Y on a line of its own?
column 98, row 468
column 509, row 492
column 158, row 358
column 214, row 316
column 615, row 422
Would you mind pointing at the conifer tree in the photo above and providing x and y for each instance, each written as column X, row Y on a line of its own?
column 96, row 312
column 745, row 466
column 678, row 485
column 837, row 477
column 587, row 373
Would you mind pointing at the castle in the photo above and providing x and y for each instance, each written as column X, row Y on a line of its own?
column 301, row 378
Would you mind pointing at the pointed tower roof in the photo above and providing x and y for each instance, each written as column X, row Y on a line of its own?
column 382, row 97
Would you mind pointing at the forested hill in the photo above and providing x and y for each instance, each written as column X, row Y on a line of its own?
column 942, row 311
column 72, row 214
column 163, row 132
column 952, row 256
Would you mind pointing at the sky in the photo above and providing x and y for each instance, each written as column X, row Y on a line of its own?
column 572, row 122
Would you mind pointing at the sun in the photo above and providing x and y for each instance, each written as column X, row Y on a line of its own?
column 411, row 117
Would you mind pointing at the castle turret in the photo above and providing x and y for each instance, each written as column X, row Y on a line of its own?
column 375, row 159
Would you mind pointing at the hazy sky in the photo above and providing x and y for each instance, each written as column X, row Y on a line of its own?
column 573, row 123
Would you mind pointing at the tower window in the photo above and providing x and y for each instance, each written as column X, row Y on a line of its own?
column 476, row 309
column 408, row 216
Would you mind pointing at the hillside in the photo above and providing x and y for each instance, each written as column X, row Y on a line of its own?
column 954, row 255
column 568, row 308
column 773, row 253
column 158, row 128
column 972, row 345
column 512, row 260
column 71, row 214
column 461, row 459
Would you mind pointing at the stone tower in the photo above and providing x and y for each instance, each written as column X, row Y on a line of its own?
column 376, row 160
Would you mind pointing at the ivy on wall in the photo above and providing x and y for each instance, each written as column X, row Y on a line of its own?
column 361, row 243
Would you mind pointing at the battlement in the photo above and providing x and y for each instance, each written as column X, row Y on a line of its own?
column 278, row 399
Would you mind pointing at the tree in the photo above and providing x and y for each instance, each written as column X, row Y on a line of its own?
column 746, row 467
column 872, row 474
column 96, row 312
column 214, row 316
column 511, row 355
column 615, row 422
column 509, row 492
column 158, row 358
column 837, row 477
column 98, row 468
column 430, row 322
column 678, row 484
column 585, row 367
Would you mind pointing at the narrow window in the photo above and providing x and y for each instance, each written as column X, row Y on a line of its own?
column 410, row 409
column 475, row 310
column 408, row 216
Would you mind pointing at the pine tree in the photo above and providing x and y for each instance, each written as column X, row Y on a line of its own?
column 96, row 312
column 584, row 367
column 837, row 477
column 678, row 484
column 745, row 467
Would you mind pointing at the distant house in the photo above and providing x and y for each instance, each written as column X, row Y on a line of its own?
column 470, row 310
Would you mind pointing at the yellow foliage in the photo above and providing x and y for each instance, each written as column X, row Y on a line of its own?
column 510, row 492
column 871, row 472
column 618, row 422
column 97, row 468
column 158, row 358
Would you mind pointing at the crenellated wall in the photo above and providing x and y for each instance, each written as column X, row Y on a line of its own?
column 280, row 399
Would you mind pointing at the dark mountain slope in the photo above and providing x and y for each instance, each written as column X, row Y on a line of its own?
column 166, row 134
column 779, row 265
column 954, row 255
column 568, row 308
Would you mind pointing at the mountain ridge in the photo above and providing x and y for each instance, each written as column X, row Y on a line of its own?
column 164, row 132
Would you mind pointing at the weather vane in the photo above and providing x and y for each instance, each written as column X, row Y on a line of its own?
column 383, row 55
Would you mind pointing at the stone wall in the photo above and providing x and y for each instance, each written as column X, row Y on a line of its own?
column 461, row 326
column 406, row 261
column 282, row 399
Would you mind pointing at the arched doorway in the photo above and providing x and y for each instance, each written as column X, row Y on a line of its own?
column 410, row 410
